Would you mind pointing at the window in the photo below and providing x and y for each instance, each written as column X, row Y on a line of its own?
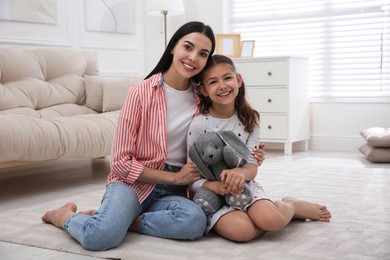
column 347, row 41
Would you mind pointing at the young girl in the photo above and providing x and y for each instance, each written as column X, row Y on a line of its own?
column 224, row 107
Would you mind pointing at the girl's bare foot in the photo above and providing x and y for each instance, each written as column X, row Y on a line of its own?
column 89, row 212
column 58, row 216
column 308, row 210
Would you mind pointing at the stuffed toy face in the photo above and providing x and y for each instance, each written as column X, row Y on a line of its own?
column 212, row 151
column 207, row 154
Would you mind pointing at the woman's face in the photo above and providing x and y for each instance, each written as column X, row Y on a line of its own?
column 190, row 54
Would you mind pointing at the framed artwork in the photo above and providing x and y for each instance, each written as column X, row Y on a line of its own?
column 116, row 16
column 247, row 48
column 228, row 44
column 38, row 11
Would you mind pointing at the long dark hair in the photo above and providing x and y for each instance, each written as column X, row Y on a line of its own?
column 248, row 116
column 190, row 27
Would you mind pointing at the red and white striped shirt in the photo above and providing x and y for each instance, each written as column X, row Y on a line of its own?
column 140, row 138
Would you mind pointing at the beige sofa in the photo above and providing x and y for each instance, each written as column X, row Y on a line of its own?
column 53, row 105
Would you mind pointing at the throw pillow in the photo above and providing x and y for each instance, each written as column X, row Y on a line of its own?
column 115, row 93
column 94, row 92
column 375, row 154
column 377, row 136
column 116, row 89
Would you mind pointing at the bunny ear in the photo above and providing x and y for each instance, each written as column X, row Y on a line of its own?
column 195, row 157
column 232, row 140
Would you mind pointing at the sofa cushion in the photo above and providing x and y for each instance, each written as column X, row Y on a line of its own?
column 28, row 138
column 377, row 136
column 50, row 112
column 46, row 78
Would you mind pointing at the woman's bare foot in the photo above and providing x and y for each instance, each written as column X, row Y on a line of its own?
column 58, row 216
column 308, row 210
column 89, row 212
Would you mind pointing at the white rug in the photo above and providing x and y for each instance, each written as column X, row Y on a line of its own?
column 357, row 195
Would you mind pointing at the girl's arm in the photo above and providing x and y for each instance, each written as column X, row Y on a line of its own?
column 198, row 184
column 234, row 179
column 216, row 186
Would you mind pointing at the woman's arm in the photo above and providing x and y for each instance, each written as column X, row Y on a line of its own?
column 257, row 149
column 188, row 174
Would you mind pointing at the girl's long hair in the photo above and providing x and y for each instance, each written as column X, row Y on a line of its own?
column 190, row 27
column 248, row 116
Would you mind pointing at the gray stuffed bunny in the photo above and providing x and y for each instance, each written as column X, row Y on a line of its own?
column 212, row 153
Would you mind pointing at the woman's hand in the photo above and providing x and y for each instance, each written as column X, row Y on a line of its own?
column 187, row 175
column 259, row 154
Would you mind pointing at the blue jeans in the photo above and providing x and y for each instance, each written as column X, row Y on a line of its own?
column 166, row 213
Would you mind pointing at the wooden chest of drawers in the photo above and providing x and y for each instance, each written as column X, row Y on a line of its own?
column 278, row 87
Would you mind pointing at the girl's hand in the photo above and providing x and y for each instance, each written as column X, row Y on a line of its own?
column 259, row 154
column 233, row 180
column 215, row 186
column 187, row 175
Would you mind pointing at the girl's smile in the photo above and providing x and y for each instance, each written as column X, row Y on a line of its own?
column 224, row 94
column 221, row 84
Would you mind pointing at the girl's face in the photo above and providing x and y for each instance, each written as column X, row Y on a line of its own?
column 190, row 54
column 221, row 84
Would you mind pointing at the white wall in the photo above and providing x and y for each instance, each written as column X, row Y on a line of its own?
column 334, row 126
column 119, row 54
column 209, row 12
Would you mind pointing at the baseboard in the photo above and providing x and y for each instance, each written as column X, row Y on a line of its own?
column 333, row 143
column 324, row 143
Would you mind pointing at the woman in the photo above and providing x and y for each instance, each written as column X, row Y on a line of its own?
column 147, row 184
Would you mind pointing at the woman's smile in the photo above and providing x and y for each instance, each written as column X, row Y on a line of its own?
column 188, row 67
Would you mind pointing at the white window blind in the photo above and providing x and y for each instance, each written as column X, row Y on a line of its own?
column 347, row 41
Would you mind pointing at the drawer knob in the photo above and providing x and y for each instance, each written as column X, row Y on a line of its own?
column 270, row 127
column 269, row 73
column 269, row 100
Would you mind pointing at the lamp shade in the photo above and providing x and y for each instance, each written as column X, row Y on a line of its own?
column 174, row 7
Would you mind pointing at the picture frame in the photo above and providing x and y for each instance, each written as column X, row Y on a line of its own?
column 247, row 48
column 228, row 44
column 110, row 16
column 38, row 11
